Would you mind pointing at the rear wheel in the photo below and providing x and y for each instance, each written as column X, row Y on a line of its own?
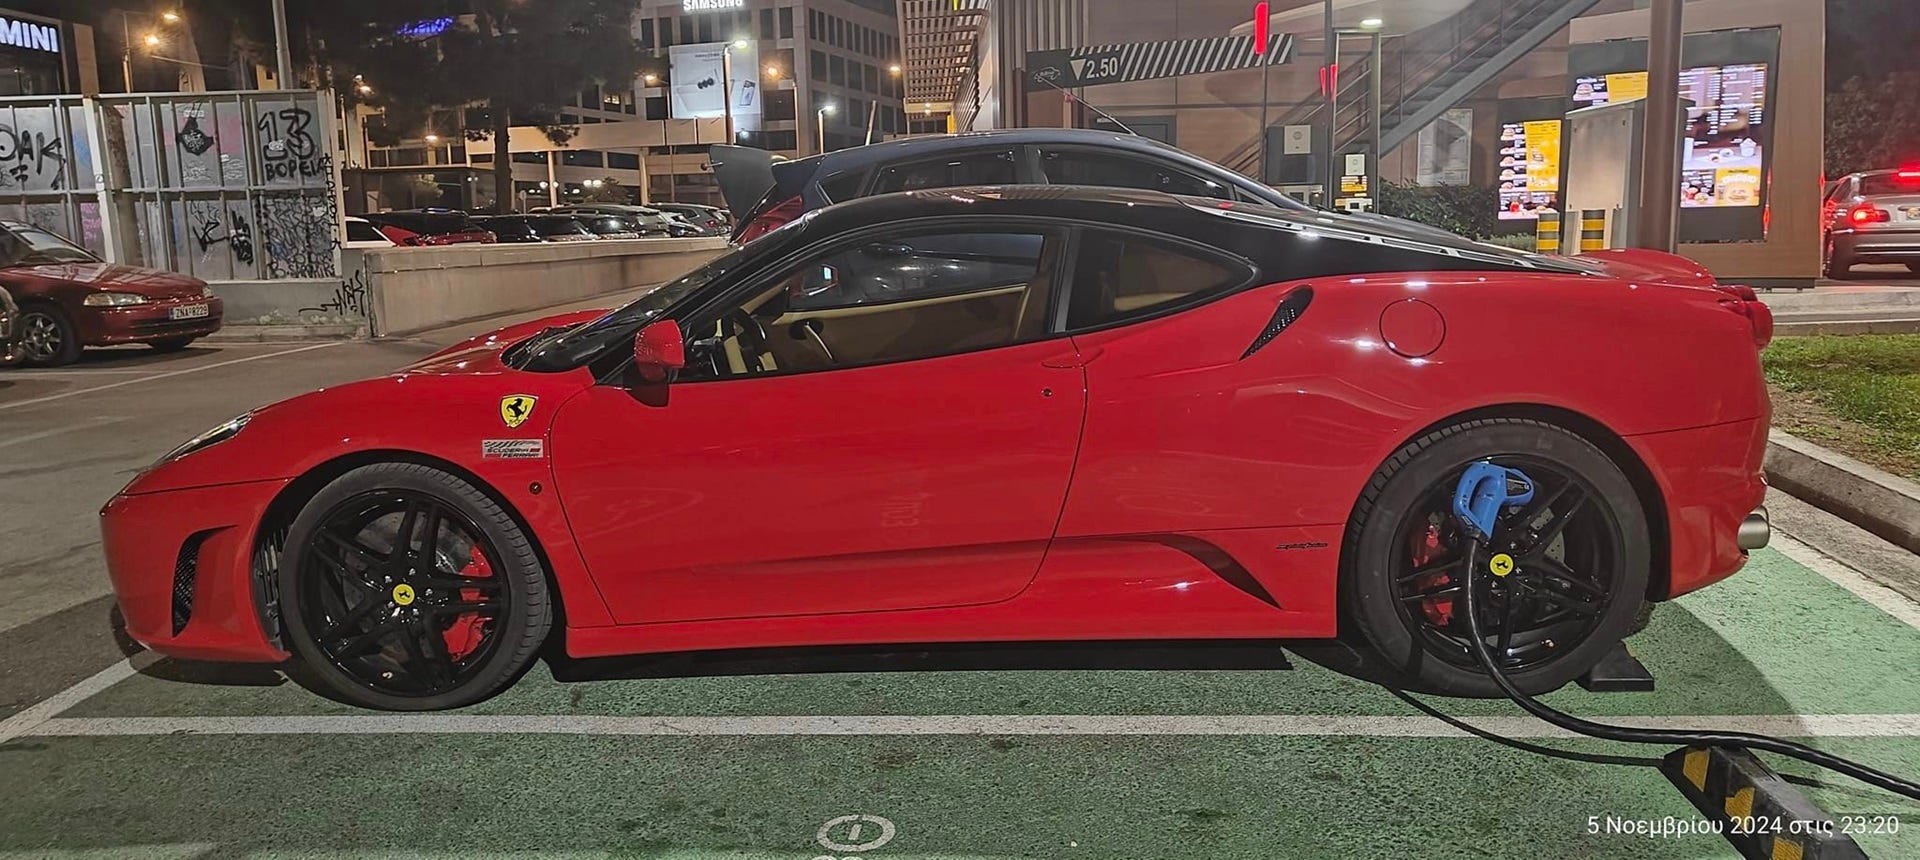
column 1580, row 558
column 1839, row 265
column 47, row 337
column 406, row 588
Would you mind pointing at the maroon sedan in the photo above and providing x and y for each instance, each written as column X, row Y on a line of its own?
column 70, row 299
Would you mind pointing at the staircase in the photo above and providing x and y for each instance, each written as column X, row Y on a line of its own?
column 1483, row 40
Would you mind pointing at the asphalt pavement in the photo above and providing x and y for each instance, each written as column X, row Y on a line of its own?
column 1242, row 750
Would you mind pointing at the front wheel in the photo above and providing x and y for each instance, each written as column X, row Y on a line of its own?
column 406, row 588
column 1567, row 572
column 47, row 337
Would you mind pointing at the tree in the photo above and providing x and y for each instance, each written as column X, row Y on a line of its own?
column 424, row 59
column 1874, row 123
column 607, row 191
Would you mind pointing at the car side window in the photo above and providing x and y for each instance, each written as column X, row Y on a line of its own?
column 361, row 231
column 892, row 297
column 843, row 187
column 1123, row 276
column 992, row 167
column 1109, row 170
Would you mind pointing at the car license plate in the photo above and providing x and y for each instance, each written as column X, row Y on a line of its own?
column 1913, row 213
column 188, row 312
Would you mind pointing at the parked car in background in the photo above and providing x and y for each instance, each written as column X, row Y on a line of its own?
column 710, row 220
column 610, row 226
column 361, row 235
column 1873, row 217
column 679, row 227
column 9, row 330
column 425, row 227
column 648, row 220
column 69, row 299
column 535, row 228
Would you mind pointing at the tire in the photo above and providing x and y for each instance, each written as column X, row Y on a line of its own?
column 1611, row 528
column 172, row 344
column 47, row 337
column 414, row 679
column 1839, row 267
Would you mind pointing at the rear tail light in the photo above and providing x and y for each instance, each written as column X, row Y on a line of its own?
column 1867, row 213
column 1743, row 300
column 772, row 219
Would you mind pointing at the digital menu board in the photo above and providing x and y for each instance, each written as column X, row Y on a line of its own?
column 1529, row 168
column 1724, row 158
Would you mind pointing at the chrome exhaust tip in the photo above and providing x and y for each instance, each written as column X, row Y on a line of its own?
column 1756, row 531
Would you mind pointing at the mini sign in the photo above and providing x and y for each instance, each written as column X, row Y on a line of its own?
column 29, row 35
column 1141, row 61
column 711, row 5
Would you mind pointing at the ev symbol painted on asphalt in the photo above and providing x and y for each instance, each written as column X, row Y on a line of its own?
column 853, row 834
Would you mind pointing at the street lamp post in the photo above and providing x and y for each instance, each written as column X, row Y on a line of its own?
column 726, row 83
column 126, row 40
column 821, row 117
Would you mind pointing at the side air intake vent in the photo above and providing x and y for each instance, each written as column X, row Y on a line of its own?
column 1289, row 310
column 186, row 566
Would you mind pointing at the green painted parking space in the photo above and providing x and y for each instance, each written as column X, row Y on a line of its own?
column 1779, row 640
column 1776, row 639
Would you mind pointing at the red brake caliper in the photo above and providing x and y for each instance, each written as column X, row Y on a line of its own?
column 464, row 635
column 1428, row 546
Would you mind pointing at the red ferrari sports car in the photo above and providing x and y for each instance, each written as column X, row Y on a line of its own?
column 991, row 414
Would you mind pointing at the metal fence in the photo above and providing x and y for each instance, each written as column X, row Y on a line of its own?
column 226, row 186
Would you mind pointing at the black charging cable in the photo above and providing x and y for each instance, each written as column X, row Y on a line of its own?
column 1666, row 737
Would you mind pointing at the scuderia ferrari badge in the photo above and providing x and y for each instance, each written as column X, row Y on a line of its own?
column 512, row 449
column 515, row 409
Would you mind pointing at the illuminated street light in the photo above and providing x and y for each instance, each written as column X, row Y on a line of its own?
column 433, row 138
column 170, row 17
column 650, row 78
column 894, row 69
column 152, row 40
column 822, row 118
column 1372, row 23
column 773, row 72
column 741, row 44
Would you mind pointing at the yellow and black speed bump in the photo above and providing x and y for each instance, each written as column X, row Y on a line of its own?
column 1762, row 815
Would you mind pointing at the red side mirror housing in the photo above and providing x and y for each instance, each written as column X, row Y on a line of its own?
column 659, row 351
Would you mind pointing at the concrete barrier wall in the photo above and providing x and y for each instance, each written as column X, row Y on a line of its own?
column 415, row 289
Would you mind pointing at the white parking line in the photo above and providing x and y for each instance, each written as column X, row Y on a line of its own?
column 1790, row 725
column 26, row 721
column 59, row 431
column 64, row 395
column 1886, row 599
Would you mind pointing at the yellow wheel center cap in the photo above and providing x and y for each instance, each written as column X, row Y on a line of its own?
column 1501, row 564
column 403, row 594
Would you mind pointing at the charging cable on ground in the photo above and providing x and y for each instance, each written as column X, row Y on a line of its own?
column 1484, row 491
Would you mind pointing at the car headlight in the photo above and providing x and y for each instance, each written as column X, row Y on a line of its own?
column 217, row 435
column 113, row 300
column 206, row 292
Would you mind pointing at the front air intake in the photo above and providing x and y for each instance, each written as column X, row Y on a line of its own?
column 186, row 566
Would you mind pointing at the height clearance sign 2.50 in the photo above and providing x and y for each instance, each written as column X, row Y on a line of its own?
column 1143, row 61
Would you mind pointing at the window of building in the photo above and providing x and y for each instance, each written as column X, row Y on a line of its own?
column 779, row 105
column 686, row 30
column 706, row 29
column 786, row 22
column 837, row 70
column 582, row 158
column 902, row 296
column 990, row 167
column 646, row 33
column 766, row 24
column 783, row 141
column 530, row 158
column 1083, row 167
column 816, row 63
column 1121, row 276
column 657, row 107
column 666, row 32
column 623, row 161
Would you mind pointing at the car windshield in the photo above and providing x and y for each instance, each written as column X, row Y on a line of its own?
column 32, row 246
column 576, row 346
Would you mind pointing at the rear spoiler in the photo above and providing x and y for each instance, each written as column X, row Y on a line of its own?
column 1659, row 267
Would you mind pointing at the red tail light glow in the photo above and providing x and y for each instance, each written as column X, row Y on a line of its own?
column 1867, row 213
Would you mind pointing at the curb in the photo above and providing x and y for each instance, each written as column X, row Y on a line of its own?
column 287, row 332
column 1885, row 504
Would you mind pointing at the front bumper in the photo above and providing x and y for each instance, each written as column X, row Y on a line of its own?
column 146, row 323
column 181, row 563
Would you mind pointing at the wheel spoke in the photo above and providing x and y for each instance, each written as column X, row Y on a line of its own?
column 1566, row 603
column 403, row 538
column 1561, row 517
column 364, row 642
column 351, row 620
column 452, row 583
column 430, row 540
column 1429, row 569
column 463, row 607
column 1512, row 615
column 429, row 664
column 1558, row 572
column 341, row 548
column 1443, row 591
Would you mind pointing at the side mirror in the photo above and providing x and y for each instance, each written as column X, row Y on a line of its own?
column 659, row 351
column 814, row 281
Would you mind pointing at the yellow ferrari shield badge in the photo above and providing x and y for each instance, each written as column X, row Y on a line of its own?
column 515, row 409
column 1501, row 564
column 403, row 594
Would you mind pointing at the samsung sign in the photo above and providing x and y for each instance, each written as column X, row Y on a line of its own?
column 711, row 5
column 26, row 34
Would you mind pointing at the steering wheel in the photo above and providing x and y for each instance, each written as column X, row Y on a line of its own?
column 751, row 336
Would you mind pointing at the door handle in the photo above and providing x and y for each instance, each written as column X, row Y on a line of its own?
column 1070, row 360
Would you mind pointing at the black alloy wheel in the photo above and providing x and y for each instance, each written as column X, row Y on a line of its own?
column 412, row 594
column 1564, row 576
